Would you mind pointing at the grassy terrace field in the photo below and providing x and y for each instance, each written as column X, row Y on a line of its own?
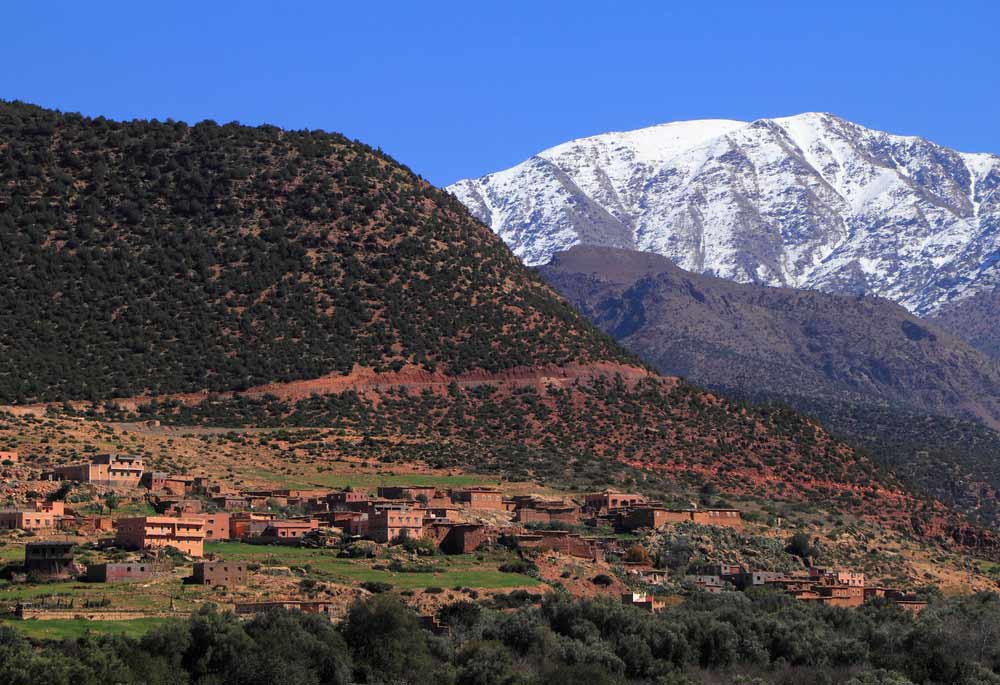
column 464, row 570
column 68, row 629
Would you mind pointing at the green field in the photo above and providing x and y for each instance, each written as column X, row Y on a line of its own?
column 68, row 629
column 10, row 552
column 464, row 570
column 148, row 596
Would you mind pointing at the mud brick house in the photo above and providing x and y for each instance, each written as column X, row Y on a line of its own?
column 712, row 584
column 387, row 525
column 562, row 541
column 28, row 520
column 839, row 595
column 153, row 480
column 57, row 507
column 479, row 498
column 8, row 458
column 645, row 573
column 345, row 520
column 216, row 526
column 351, row 500
column 458, row 538
column 262, row 499
column 838, row 577
column 106, row 469
column 121, row 572
column 643, row 601
column 904, row 600
column 730, row 518
column 610, row 500
column 244, row 523
column 175, row 484
column 655, row 517
column 228, row 574
column 96, row 523
column 172, row 505
column 444, row 512
column 285, row 532
column 49, row 559
column 328, row 609
column 230, row 502
column 157, row 532
column 765, row 577
column 423, row 493
column 535, row 511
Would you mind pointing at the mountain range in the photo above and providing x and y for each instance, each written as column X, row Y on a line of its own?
column 810, row 201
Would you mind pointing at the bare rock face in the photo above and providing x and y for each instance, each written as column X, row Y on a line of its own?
column 810, row 201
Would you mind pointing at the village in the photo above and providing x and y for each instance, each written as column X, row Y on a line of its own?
column 251, row 548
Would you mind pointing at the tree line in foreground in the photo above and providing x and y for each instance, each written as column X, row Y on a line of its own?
column 747, row 638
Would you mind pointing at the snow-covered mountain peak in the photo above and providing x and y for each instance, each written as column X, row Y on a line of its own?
column 810, row 200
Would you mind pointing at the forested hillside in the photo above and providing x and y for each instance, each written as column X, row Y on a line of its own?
column 163, row 257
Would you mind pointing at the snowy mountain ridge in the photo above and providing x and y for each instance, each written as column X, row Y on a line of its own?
column 809, row 201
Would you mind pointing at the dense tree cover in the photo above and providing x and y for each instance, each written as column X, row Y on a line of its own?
column 750, row 639
column 951, row 459
column 165, row 257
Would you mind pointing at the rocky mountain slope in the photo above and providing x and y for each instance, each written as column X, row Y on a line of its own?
column 975, row 319
column 809, row 201
column 777, row 342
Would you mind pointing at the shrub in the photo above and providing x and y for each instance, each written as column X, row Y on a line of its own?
column 602, row 579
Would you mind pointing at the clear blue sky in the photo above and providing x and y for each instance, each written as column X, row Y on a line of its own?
column 458, row 89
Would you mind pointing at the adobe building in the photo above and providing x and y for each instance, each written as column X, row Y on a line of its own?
column 656, row 517
column 730, row 518
column 57, row 507
column 330, row 609
column 245, row 523
column 157, row 532
column 28, row 520
column 479, row 498
column 153, row 480
column 231, row 502
column 443, row 512
column 412, row 492
column 610, row 500
column 285, row 532
column 216, row 526
column 387, row 525
column 464, row 538
column 353, row 499
column 105, row 469
column 228, row 574
column 643, row 601
column 49, row 559
column 120, row 572
column 561, row 541
column 548, row 512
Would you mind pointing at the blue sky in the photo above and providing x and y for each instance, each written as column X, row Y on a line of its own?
column 457, row 89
